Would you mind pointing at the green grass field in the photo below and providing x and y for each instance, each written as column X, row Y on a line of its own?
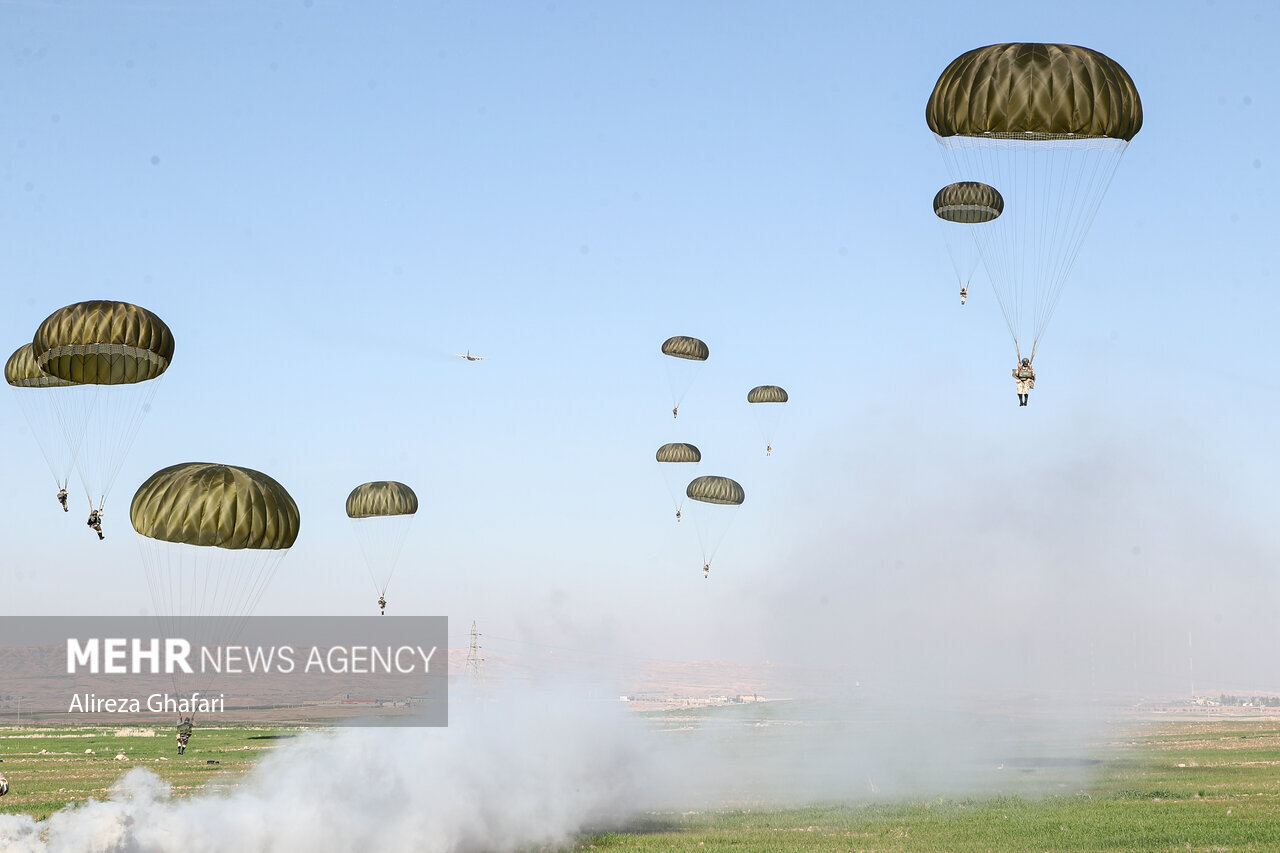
column 1206, row 786
column 48, row 768
column 1186, row 786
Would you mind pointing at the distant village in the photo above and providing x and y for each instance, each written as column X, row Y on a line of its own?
column 676, row 700
column 1229, row 701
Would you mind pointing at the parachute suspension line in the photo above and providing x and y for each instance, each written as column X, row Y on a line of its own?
column 266, row 568
column 1068, row 204
column 1044, row 228
column 177, row 625
column 74, row 417
column 711, row 535
column 152, row 587
column 975, row 256
column 1045, row 266
column 956, row 263
column 682, row 373
column 42, row 411
column 113, row 426
column 98, row 425
column 1053, row 233
column 675, row 478
column 207, row 572
column 963, row 263
column 190, row 586
column 967, row 169
column 73, row 410
column 1026, row 280
column 162, row 593
column 382, row 590
column 254, row 577
column 1001, row 277
column 187, row 586
column 167, row 627
column 1053, row 190
column 1019, row 281
column 381, row 540
column 1089, row 188
column 680, row 376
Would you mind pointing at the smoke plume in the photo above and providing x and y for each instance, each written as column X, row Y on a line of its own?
column 510, row 772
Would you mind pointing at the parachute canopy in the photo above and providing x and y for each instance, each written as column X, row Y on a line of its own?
column 221, row 506
column 1035, row 91
column 968, row 203
column 767, row 394
column 685, row 347
column 103, row 343
column 381, row 514
column 716, row 490
column 381, row 497
column 21, row 371
column 679, row 452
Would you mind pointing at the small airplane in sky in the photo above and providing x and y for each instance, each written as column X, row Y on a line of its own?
column 470, row 357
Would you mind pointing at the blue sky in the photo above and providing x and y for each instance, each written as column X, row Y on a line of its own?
column 326, row 200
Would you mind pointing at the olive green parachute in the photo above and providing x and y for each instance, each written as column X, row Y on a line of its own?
column 687, row 357
column 21, row 371
column 681, row 346
column 112, row 352
column 716, row 490
column 718, row 501
column 674, row 475
column 1035, row 91
column 211, row 505
column 766, row 394
column 1047, row 124
column 211, row 538
column 968, row 203
column 679, row 452
column 767, row 416
column 103, row 343
column 381, row 514
column 380, row 498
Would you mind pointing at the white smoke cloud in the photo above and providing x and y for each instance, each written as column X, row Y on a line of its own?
column 1064, row 562
column 512, row 771
column 957, row 638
